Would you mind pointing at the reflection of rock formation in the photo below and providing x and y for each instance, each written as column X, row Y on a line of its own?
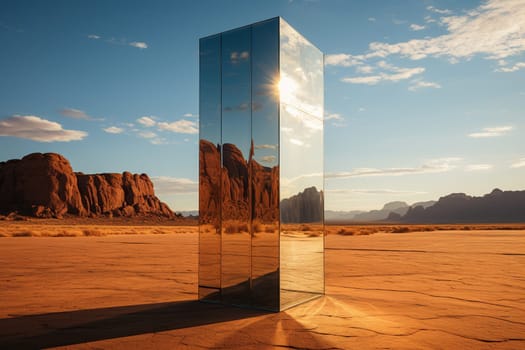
column 45, row 185
column 236, row 174
column 306, row 206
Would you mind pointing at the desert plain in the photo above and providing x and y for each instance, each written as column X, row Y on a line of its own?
column 83, row 286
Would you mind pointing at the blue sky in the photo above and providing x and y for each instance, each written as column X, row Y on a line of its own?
column 422, row 98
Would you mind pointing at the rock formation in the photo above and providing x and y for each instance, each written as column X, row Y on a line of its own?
column 44, row 185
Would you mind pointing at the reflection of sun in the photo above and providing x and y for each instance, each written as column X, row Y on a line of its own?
column 287, row 87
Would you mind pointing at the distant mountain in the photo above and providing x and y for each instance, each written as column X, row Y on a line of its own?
column 399, row 208
column 331, row 215
column 497, row 206
column 303, row 207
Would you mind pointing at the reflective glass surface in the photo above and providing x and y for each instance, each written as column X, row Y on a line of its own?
column 264, row 164
column 236, row 142
column 260, row 167
column 301, row 169
column 209, row 168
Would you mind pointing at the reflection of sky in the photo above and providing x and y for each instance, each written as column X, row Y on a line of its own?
column 301, row 113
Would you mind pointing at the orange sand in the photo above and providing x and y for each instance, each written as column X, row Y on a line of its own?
column 438, row 290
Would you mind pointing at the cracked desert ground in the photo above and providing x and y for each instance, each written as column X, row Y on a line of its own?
column 435, row 290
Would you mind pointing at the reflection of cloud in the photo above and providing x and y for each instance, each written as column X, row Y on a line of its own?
column 147, row 121
column 38, row 129
column 372, row 191
column 173, row 185
column 93, row 36
column 268, row 159
column 74, row 113
column 477, row 167
column 265, row 146
column 296, row 142
column 113, row 130
column 433, row 166
column 236, row 57
column 491, row 132
column 520, row 163
column 245, row 106
column 181, row 126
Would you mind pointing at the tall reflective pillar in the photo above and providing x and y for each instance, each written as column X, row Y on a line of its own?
column 261, row 225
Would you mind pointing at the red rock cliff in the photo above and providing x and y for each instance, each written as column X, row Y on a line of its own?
column 44, row 185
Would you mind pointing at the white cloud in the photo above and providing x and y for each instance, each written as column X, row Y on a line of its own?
column 190, row 115
column 333, row 116
column 420, row 84
column 514, row 68
column 478, row 167
column 172, row 185
column 75, row 113
column 397, row 75
column 520, row 163
column 493, row 29
column 433, row 166
column 147, row 121
column 181, row 126
column 373, row 191
column 416, row 27
column 440, row 11
column 147, row 134
column 491, row 132
column 139, row 44
column 38, row 129
column 342, row 59
column 93, row 36
column 364, row 69
column 113, row 130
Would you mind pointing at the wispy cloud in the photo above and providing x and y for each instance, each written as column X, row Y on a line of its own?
column 190, row 115
column 173, row 185
column 38, row 129
column 334, row 116
column 268, row 159
column 421, row 84
column 75, row 113
column 440, row 11
column 372, row 19
column 391, row 73
column 147, row 121
column 512, row 68
column 438, row 165
column 123, row 42
column 380, row 191
column 342, row 59
column 478, row 167
column 113, row 130
column 484, row 31
column 491, row 132
column 139, row 44
column 416, row 27
column 147, row 134
column 520, row 163
column 181, row 126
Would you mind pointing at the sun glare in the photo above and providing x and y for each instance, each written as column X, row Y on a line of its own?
column 287, row 87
